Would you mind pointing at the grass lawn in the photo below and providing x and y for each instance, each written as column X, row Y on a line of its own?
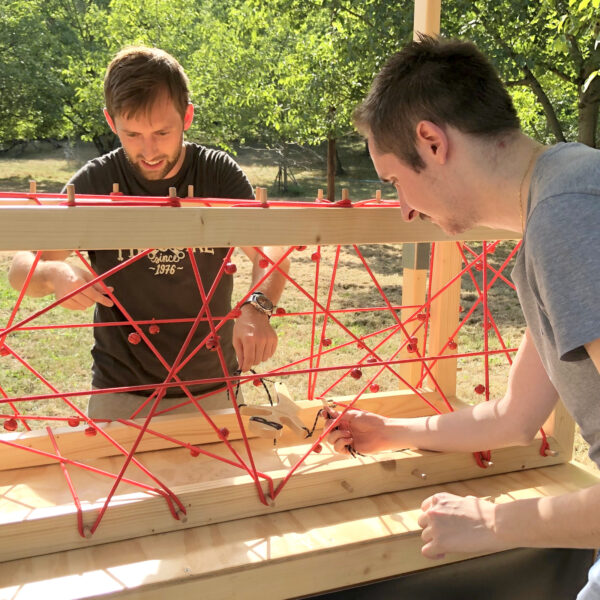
column 63, row 354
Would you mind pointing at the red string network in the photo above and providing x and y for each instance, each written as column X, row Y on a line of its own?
column 357, row 349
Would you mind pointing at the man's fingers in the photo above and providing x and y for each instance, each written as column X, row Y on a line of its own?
column 429, row 551
column 342, row 445
column 97, row 294
column 239, row 352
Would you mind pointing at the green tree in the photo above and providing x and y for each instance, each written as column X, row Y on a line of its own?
column 547, row 52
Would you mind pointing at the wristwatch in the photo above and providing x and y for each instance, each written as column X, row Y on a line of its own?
column 261, row 303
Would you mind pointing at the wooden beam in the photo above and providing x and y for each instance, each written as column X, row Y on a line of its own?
column 192, row 428
column 444, row 314
column 373, row 538
column 38, row 504
column 72, row 228
column 427, row 17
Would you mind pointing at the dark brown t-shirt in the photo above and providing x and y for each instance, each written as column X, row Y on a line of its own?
column 161, row 285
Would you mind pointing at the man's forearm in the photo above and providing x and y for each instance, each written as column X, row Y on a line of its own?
column 513, row 419
column 41, row 282
column 274, row 284
column 566, row 521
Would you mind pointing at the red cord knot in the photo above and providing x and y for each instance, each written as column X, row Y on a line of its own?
column 344, row 203
column 280, row 310
column 263, row 263
column 545, row 448
column 374, row 388
column 194, row 451
column 230, row 268
column 154, row 329
column 452, row 345
column 412, row 344
column 134, row 338
column 90, row 431
column 356, row 373
column 318, row 449
column 73, row 421
column 10, row 425
column 4, row 351
column 479, row 389
column 301, row 248
column 478, row 266
column 326, row 342
column 484, row 459
column 422, row 317
column 371, row 359
column 224, row 432
column 315, row 256
column 257, row 381
column 212, row 342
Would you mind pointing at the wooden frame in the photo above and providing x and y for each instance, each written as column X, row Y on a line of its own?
column 336, row 478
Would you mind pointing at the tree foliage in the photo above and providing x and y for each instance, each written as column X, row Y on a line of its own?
column 284, row 71
column 548, row 53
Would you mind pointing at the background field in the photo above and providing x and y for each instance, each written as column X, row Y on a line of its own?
column 64, row 353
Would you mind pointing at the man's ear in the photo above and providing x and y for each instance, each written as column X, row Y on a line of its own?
column 110, row 122
column 432, row 142
column 188, row 117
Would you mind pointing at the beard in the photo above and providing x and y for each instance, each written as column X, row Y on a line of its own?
column 155, row 174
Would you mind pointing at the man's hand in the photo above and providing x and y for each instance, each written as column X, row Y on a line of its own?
column 254, row 340
column 66, row 278
column 362, row 431
column 455, row 524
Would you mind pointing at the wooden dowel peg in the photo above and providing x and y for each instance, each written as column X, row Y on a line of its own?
column 320, row 195
column 378, row 195
column 70, row 194
column 115, row 188
column 32, row 187
column 345, row 195
column 419, row 474
column 190, row 191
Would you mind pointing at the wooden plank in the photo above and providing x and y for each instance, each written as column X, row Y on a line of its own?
column 427, row 17
column 561, row 426
column 271, row 555
column 415, row 265
column 59, row 228
column 37, row 504
column 444, row 314
column 192, row 428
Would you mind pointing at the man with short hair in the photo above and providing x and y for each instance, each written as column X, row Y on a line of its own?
column 443, row 130
column 148, row 108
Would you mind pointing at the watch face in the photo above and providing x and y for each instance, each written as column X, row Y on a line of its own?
column 264, row 302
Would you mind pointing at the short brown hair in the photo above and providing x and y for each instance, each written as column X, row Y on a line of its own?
column 447, row 82
column 138, row 75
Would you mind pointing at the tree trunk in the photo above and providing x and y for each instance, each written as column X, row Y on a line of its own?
column 104, row 142
column 551, row 118
column 331, row 163
column 339, row 169
column 587, row 122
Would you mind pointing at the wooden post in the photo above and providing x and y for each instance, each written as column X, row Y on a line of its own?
column 444, row 313
column 331, row 169
column 415, row 257
column 415, row 262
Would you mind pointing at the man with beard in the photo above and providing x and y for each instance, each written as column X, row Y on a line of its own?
column 148, row 108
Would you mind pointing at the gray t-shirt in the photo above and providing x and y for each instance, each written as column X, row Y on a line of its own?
column 557, row 275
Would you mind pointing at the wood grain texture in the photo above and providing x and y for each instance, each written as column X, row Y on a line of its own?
column 292, row 553
column 81, row 228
